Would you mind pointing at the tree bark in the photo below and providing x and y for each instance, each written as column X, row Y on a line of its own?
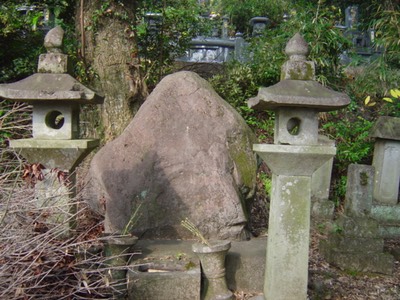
column 109, row 47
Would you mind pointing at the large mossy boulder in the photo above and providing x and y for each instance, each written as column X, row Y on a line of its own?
column 186, row 154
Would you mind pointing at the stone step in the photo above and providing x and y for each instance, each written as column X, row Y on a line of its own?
column 358, row 261
column 354, row 244
column 389, row 231
column 386, row 214
column 358, row 226
column 168, row 269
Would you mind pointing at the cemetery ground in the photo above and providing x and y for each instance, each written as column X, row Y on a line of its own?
column 36, row 263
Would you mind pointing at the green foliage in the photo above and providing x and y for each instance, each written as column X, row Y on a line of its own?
column 240, row 12
column 352, row 137
column 393, row 102
column 374, row 81
column 236, row 85
column 339, row 189
column 17, row 30
column 241, row 81
column 168, row 36
column 326, row 42
column 386, row 23
column 21, row 30
column 267, row 183
column 337, row 229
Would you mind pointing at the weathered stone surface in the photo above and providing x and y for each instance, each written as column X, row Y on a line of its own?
column 360, row 179
column 245, row 266
column 62, row 154
column 297, row 67
column 54, row 39
column 387, row 171
column 54, row 63
column 355, row 244
column 166, row 278
column 386, row 214
column 298, row 93
column 187, row 153
column 358, row 261
column 358, row 226
column 386, row 128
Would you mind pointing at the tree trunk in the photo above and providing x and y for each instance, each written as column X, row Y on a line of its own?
column 108, row 46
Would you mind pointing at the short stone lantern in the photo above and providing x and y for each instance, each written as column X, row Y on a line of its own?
column 55, row 97
column 293, row 158
column 259, row 24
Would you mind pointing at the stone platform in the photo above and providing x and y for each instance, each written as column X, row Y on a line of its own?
column 170, row 270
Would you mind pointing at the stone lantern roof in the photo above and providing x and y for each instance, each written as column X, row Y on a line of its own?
column 298, row 87
column 45, row 87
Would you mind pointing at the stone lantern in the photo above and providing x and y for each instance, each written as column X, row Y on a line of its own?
column 55, row 97
column 293, row 158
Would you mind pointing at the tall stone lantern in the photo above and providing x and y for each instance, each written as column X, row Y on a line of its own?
column 295, row 155
column 55, row 97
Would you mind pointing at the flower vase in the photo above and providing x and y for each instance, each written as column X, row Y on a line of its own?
column 212, row 260
column 118, row 252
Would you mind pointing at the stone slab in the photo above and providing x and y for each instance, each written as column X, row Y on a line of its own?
column 361, row 262
column 45, row 87
column 354, row 244
column 245, row 262
column 389, row 231
column 386, row 214
column 245, row 265
column 386, row 128
column 177, row 284
column 293, row 160
column 62, row 154
column 322, row 210
column 358, row 226
column 396, row 254
column 321, row 179
column 298, row 93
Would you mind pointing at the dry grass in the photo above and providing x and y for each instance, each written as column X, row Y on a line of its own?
column 37, row 259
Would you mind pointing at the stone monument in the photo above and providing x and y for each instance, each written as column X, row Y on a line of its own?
column 186, row 154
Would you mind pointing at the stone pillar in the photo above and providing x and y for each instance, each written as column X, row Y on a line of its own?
column 286, row 274
column 297, row 100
